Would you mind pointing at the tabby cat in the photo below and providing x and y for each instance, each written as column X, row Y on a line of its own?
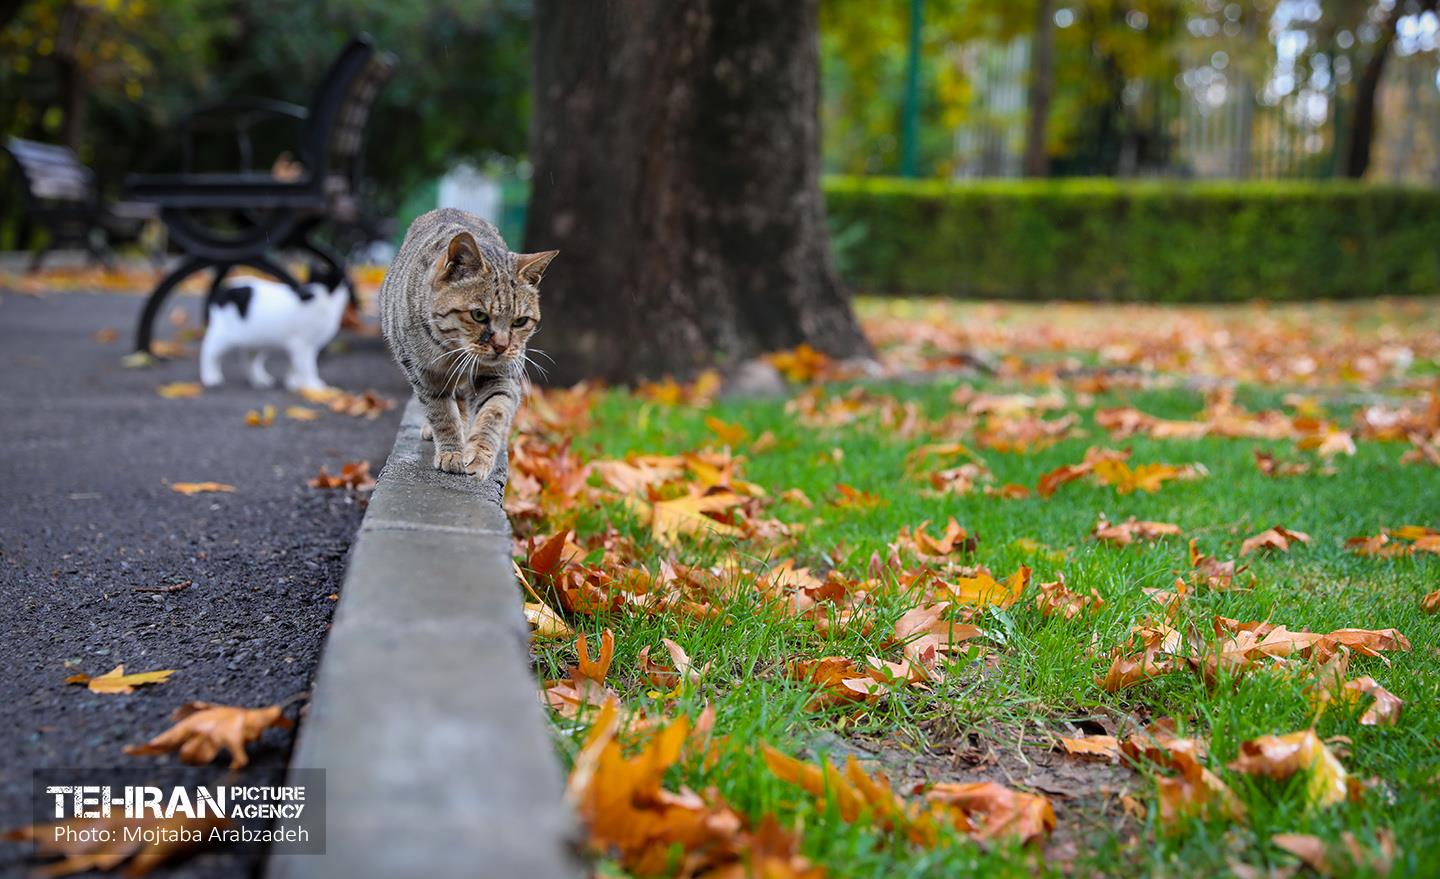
column 458, row 309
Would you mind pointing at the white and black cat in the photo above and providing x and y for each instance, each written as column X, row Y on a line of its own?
column 258, row 316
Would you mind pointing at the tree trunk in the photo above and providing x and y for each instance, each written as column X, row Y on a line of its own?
column 1362, row 124
column 677, row 169
column 1042, row 88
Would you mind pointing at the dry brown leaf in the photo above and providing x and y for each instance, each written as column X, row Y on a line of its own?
column 1056, row 598
column 670, row 519
column 995, row 811
column 545, row 622
column 117, row 681
column 1103, row 747
column 261, row 417
column 1385, row 708
column 354, row 475
column 201, row 487
column 1280, row 757
column 202, row 730
column 1131, row 530
column 1431, row 602
column 1278, row 538
column 1350, row 858
column 124, row 842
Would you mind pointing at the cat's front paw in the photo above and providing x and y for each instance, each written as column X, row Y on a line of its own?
column 451, row 461
column 481, row 461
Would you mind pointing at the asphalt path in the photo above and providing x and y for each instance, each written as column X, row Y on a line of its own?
column 88, row 450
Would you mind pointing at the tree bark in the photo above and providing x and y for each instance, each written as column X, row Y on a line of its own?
column 677, row 169
column 1042, row 89
column 1363, row 123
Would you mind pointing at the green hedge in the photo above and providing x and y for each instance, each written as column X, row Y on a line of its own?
column 1135, row 240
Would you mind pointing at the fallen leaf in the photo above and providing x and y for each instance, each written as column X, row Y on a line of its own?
column 1104, row 747
column 107, row 335
column 1349, row 858
column 123, row 841
column 117, row 681
column 1057, row 599
column 179, row 390
column 1280, row 757
column 1131, row 530
column 354, row 475
column 173, row 587
column 261, row 417
column 301, row 413
column 545, row 622
column 200, row 487
column 1431, row 602
column 687, row 515
column 1385, row 708
column 727, row 433
column 203, row 729
column 983, row 590
column 996, row 811
column 1278, row 538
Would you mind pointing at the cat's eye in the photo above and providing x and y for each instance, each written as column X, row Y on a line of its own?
column 519, row 322
column 479, row 316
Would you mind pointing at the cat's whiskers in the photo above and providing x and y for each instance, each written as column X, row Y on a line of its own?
column 541, row 352
column 544, row 373
column 442, row 355
column 457, row 369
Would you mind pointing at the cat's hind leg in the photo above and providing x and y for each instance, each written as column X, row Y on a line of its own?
column 259, row 378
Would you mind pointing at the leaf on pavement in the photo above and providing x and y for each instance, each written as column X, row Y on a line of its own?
column 354, row 475
column 261, row 417
column 117, row 681
column 124, row 842
column 201, row 487
column 1280, row 757
column 301, row 413
column 180, row 390
column 203, row 729
column 1278, row 538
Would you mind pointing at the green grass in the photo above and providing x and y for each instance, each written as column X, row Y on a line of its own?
column 1034, row 675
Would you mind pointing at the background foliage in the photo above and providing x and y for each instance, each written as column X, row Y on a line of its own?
column 1132, row 240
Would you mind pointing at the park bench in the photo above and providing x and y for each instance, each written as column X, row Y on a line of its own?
column 242, row 217
column 62, row 197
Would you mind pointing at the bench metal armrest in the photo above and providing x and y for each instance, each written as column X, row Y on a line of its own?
column 239, row 115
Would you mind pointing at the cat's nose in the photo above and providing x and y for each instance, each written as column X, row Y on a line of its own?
column 500, row 342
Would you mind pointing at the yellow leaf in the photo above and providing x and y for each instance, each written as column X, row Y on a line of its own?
column 177, row 390
column 544, row 621
column 200, row 487
column 729, row 434
column 117, row 681
column 301, row 413
column 686, row 515
column 983, row 590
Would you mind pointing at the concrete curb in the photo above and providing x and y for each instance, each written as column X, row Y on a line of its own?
column 425, row 716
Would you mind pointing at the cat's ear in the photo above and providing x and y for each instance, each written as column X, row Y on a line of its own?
column 462, row 258
column 530, row 267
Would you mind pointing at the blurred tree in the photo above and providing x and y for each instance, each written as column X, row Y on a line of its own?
column 1363, row 118
column 1042, row 89
column 676, row 150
